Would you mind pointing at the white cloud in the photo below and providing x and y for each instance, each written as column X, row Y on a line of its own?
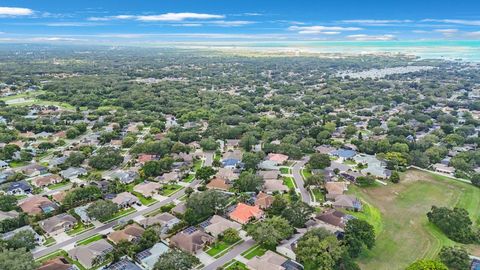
column 473, row 34
column 174, row 17
column 71, row 24
column 446, row 31
column 15, row 11
column 419, row 31
column 188, row 24
column 363, row 37
column 455, row 21
column 319, row 29
column 376, row 22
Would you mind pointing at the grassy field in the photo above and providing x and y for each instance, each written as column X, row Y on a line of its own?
column 398, row 213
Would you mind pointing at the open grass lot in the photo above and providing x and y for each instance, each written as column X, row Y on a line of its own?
column 398, row 213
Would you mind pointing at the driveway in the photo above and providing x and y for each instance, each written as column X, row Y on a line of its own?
column 297, row 176
column 234, row 252
column 208, row 159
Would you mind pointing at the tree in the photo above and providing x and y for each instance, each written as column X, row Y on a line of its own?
column 248, row 182
column 209, row 144
column 319, row 161
column 456, row 258
column 476, row 179
column 358, row 234
column 106, row 158
column 8, row 202
column 251, row 160
column 128, row 141
column 205, row 173
column 427, row 265
column 271, row 231
column 319, row 249
column 202, row 205
column 297, row 213
column 314, row 180
column 102, row 210
column 365, row 180
column 395, row 177
column 23, row 239
column 75, row 159
column 278, row 205
column 175, row 259
column 17, row 259
column 456, row 223
column 350, row 130
column 230, row 236
column 247, row 142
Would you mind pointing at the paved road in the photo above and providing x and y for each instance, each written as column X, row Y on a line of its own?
column 234, row 252
column 297, row 175
column 208, row 159
column 94, row 231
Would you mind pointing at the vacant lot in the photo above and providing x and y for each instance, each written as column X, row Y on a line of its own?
column 405, row 234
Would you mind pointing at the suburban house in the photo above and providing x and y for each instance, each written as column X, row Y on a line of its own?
column 334, row 217
column 147, row 189
column 269, row 175
column 335, row 189
column 168, row 177
column 441, row 168
column 19, row 188
column 81, row 211
column 38, row 238
column 180, row 208
column 46, row 180
column 59, row 263
column 37, row 205
column 149, row 257
column 91, row 254
column 131, row 233
column 264, row 200
column 272, row 261
column 268, row 165
column 244, row 213
column 143, row 158
column 271, row 186
column 219, row 184
column 216, row 225
column 191, row 240
column 8, row 215
column 126, row 199
column 232, row 144
column 124, row 264
column 33, row 169
column 125, row 177
column 344, row 154
column 166, row 220
column 73, row 173
column 351, row 175
column 278, row 159
column 58, row 224
column 226, row 173
column 347, row 202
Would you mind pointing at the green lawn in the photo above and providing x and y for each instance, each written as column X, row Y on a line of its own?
column 284, row 170
column 318, row 194
column 235, row 265
column 20, row 197
column 398, row 214
column 144, row 200
column 288, row 181
column 16, row 164
column 60, row 253
column 349, row 162
column 121, row 214
column 58, row 185
column 197, row 164
column 170, row 189
column 255, row 250
column 79, row 228
column 217, row 248
column 306, row 173
column 49, row 242
column 189, row 178
column 90, row 239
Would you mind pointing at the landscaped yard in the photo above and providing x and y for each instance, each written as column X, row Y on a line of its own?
column 60, row 253
column 121, row 214
column 235, row 265
column 170, row 189
column 189, row 178
column 144, row 200
column 285, row 170
column 288, row 181
column 58, row 185
column 79, row 228
column 197, row 164
column 398, row 213
column 256, row 250
column 306, row 173
column 217, row 248
column 49, row 242
column 318, row 194
column 90, row 239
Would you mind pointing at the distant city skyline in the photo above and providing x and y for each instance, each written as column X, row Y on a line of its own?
column 179, row 20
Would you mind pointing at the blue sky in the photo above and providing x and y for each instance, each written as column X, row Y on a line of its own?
column 130, row 21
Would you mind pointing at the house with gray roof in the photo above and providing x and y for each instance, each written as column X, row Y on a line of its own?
column 58, row 224
column 91, row 254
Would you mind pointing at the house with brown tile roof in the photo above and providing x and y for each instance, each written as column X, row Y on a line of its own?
column 277, row 158
column 91, row 254
column 59, row 196
column 147, row 189
column 271, row 186
column 58, row 224
column 131, row 233
column 244, row 213
column 219, row 184
column 335, row 189
column 46, row 180
column 59, row 263
column 268, row 261
column 333, row 217
column 226, row 173
column 217, row 225
column 191, row 240
column 37, row 205
column 264, row 200
column 125, row 199
column 166, row 220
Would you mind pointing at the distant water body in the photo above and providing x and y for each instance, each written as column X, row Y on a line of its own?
column 452, row 50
